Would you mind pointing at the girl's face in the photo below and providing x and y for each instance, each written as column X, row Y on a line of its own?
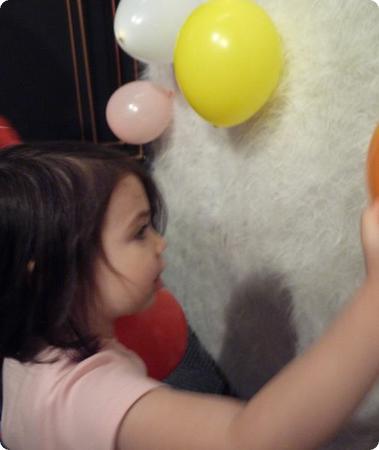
column 127, row 279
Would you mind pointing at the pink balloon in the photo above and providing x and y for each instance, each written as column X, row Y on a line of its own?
column 139, row 112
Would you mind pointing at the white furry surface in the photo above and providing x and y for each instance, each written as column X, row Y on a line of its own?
column 284, row 192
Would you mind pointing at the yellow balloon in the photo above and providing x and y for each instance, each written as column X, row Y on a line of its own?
column 228, row 60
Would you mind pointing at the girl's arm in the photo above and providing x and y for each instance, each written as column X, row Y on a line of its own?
column 299, row 409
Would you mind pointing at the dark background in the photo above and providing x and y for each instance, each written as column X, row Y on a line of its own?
column 39, row 92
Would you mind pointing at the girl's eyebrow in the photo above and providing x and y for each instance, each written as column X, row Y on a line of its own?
column 144, row 214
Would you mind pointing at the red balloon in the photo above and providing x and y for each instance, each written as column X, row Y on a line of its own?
column 373, row 165
column 8, row 136
column 158, row 335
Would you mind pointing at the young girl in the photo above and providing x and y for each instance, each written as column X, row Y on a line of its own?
column 80, row 246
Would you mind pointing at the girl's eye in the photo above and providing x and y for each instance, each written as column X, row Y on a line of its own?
column 141, row 234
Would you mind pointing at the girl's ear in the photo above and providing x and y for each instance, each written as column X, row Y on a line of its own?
column 30, row 266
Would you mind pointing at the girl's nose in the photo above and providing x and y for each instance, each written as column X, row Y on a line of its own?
column 160, row 243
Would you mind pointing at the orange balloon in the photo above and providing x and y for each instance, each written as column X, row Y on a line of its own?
column 373, row 165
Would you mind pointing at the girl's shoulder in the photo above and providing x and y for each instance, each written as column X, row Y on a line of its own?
column 65, row 394
column 54, row 360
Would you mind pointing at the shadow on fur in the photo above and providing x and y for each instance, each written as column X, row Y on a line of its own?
column 259, row 338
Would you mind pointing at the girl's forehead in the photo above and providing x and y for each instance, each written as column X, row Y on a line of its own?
column 127, row 199
column 129, row 188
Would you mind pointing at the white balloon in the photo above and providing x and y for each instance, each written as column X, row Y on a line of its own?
column 147, row 29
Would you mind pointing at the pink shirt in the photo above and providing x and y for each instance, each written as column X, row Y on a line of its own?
column 71, row 406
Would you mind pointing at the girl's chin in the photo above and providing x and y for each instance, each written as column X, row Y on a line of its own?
column 143, row 305
column 149, row 302
column 140, row 305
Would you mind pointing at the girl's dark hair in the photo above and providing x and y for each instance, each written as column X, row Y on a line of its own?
column 53, row 198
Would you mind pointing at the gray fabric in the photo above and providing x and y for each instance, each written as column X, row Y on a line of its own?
column 197, row 371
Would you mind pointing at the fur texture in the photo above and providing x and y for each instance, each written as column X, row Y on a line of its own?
column 271, row 208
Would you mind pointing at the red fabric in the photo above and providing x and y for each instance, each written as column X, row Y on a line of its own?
column 8, row 135
column 158, row 335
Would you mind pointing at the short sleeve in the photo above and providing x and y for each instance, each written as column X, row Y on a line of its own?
column 80, row 405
